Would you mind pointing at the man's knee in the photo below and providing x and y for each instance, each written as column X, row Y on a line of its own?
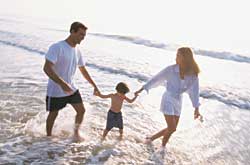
column 80, row 111
column 52, row 115
column 79, row 108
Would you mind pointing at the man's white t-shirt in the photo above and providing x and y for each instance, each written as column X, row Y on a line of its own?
column 65, row 59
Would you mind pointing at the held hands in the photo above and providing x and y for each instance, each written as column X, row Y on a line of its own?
column 96, row 92
column 139, row 91
column 136, row 94
column 197, row 115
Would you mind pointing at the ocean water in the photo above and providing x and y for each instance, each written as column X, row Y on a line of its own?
column 223, row 137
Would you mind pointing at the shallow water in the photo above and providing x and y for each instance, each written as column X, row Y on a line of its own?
column 222, row 138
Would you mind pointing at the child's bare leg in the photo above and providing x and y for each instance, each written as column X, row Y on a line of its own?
column 121, row 134
column 105, row 132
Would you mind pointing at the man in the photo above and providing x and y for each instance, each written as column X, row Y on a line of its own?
column 60, row 65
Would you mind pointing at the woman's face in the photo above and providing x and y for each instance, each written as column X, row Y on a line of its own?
column 179, row 58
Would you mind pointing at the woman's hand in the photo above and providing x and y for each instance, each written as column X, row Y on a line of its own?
column 198, row 115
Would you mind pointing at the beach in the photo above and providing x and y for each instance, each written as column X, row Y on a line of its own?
column 223, row 137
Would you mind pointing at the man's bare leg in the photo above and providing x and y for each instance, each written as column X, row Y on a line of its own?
column 50, row 121
column 80, row 110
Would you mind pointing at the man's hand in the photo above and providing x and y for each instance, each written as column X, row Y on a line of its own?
column 67, row 89
column 96, row 91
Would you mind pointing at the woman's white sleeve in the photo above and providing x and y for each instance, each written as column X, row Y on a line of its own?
column 194, row 93
column 158, row 79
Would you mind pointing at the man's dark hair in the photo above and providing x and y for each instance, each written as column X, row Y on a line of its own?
column 77, row 25
column 122, row 88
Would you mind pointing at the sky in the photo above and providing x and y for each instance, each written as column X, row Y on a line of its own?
column 207, row 24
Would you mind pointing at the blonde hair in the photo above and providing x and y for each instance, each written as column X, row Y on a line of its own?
column 189, row 65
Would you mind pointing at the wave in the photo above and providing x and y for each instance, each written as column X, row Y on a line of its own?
column 226, row 96
column 22, row 47
column 150, row 43
column 225, row 55
column 134, row 40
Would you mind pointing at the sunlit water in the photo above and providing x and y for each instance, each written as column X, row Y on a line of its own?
column 223, row 137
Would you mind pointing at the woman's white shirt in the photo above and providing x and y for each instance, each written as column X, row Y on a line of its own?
column 175, row 86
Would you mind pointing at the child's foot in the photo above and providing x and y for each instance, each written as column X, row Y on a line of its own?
column 120, row 138
column 148, row 140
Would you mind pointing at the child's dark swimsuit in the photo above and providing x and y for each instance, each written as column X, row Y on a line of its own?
column 114, row 119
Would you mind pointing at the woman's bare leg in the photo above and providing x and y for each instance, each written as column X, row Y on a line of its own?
column 172, row 122
column 158, row 134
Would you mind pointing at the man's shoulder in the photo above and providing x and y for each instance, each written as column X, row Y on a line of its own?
column 57, row 44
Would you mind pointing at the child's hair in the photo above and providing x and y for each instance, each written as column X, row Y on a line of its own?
column 122, row 88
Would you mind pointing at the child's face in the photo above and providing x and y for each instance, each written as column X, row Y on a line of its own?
column 121, row 93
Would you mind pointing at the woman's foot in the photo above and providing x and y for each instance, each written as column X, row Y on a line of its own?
column 148, row 140
column 162, row 151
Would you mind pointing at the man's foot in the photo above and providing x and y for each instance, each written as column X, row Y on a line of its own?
column 78, row 138
column 103, row 138
column 148, row 140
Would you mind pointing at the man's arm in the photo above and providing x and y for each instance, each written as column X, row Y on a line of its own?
column 103, row 96
column 87, row 77
column 48, row 69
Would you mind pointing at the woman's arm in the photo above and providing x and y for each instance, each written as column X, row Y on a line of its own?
column 158, row 79
column 194, row 95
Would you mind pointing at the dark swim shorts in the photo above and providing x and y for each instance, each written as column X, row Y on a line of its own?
column 114, row 119
column 57, row 103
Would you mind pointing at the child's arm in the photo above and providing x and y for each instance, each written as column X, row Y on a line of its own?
column 131, row 100
column 103, row 96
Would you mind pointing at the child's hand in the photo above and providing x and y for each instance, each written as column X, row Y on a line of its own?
column 96, row 93
column 137, row 93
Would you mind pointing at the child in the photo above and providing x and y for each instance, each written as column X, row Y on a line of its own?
column 114, row 118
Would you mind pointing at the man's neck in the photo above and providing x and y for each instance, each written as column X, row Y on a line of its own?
column 70, row 42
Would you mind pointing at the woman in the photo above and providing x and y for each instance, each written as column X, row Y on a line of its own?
column 178, row 78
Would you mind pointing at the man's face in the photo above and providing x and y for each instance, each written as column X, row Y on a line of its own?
column 79, row 35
